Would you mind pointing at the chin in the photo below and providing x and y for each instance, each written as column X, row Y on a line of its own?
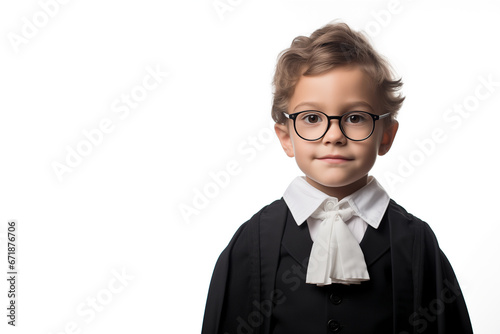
column 332, row 183
column 338, row 183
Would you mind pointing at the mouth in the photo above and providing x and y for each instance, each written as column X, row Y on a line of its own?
column 335, row 159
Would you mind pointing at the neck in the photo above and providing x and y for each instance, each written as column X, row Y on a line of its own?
column 340, row 192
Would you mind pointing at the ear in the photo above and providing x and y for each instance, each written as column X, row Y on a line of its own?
column 283, row 133
column 388, row 137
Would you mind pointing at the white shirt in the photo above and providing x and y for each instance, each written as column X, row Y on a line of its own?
column 369, row 203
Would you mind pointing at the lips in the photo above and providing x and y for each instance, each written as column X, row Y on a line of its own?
column 331, row 158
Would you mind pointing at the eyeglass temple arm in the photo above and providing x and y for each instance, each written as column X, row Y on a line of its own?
column 384, row 115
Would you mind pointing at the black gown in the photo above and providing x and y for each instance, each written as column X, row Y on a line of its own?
column 258, row 285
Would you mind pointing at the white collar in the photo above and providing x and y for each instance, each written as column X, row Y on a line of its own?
column 369, row 202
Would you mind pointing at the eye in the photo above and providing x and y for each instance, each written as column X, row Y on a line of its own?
column 357, row 117
column 311, row 118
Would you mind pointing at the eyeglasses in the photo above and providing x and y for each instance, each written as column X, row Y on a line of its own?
column 312, row 125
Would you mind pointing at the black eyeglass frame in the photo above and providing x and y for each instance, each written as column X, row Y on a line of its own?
column 374, row 117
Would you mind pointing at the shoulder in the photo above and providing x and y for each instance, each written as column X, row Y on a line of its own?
column 268, row 217
column 401, row 216
column 396, row 211
column 414, row 239
column 270, row 212
column 409, row 227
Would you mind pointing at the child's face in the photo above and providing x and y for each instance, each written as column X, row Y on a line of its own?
column 336, row 92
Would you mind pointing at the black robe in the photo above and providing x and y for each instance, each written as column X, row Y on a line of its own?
column 258, row 285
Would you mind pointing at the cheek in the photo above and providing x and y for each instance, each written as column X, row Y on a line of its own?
column 372, row 144
column 303, row 152
column 370, row 159
column 297, row 146
column 368, row 153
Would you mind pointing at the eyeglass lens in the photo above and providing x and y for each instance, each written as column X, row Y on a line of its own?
column 312, row 125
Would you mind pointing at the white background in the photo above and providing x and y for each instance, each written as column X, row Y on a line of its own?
column 119, row 208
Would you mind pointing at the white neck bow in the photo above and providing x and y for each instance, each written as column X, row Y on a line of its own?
column 336, row 256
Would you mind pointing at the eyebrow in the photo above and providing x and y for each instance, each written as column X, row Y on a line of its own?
column 318, row 106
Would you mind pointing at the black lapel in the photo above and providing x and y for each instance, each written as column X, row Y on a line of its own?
column 376, row 242
column 297, row 240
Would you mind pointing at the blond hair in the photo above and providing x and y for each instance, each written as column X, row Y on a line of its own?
column 329, row 47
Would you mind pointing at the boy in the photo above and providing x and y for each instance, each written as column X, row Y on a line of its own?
column 335, row 254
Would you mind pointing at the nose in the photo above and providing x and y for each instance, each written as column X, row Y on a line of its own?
column 334, row 135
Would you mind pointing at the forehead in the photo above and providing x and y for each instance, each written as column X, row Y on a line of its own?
column 335, row 91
